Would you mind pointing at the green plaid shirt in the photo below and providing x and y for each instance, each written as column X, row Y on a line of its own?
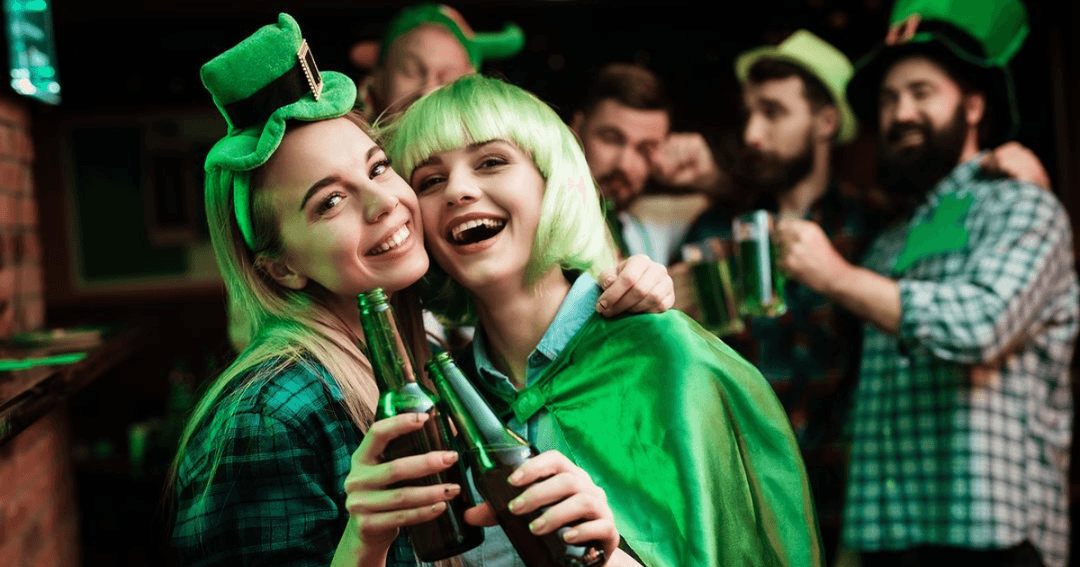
column 986, row 273
column 277, row 497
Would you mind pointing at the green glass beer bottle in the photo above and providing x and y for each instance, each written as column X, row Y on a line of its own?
column 399, row 392
column 493, row 452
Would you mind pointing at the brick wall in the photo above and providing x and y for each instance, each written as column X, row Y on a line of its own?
column 21, row 298
column 38, row 513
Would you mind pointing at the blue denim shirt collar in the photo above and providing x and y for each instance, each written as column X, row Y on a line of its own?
column 575, row 311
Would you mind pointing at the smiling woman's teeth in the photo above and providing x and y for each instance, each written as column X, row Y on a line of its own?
column 393, row 242
column 457, row 231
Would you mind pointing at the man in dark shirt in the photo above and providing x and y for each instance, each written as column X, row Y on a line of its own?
column 795, row 115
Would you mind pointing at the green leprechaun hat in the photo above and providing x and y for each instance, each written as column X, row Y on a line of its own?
column 487, row 46
column 976, row 37
column 821, row 60
column 258, row 85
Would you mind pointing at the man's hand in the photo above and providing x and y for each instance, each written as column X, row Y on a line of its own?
column 987, row 373
column 685, row 160
column 1014, row 160
column 807, row 255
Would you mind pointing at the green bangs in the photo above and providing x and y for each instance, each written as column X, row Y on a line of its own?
column 470, row 110
column 572, row 233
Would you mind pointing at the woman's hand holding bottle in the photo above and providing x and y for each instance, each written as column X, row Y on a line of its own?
column 378, row 508
column 573, row 504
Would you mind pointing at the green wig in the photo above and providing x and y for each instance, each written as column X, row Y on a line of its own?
column 572, row 233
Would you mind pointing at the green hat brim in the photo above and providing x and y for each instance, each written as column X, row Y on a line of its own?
column 251, row 147
column 496, row 46
column 480, row 46
column 849, row 124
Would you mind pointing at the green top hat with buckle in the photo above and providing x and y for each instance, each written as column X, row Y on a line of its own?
column 480, row 46
column 979, row 36
column 258, row 85
column 821, row 60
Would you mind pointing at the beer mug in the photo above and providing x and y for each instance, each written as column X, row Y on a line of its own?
column 714, row 285
column 761, row 281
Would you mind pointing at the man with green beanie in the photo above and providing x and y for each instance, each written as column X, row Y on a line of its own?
column 961, row 425
column 796, row 112
column 425, row 46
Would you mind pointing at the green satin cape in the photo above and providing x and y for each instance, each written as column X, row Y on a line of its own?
column 688, row 440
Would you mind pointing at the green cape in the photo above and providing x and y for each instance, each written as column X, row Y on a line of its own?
column 688, row 440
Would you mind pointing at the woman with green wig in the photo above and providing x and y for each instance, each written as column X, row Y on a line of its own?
column 281, row 462
column 687, row 440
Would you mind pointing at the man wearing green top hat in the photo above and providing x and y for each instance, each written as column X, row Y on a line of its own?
column 961, row 424
column 425, row 46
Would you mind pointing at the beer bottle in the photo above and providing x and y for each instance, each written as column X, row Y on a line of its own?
column 493, row 452
column 448, row 534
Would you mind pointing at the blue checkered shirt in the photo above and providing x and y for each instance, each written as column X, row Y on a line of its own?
column 986, row 275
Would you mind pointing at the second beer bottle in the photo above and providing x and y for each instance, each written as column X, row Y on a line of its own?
column 399, row 392
column 493, row 452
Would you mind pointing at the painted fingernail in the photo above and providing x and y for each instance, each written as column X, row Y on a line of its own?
column 569, row 535
column 537, row 525
column 451, row 489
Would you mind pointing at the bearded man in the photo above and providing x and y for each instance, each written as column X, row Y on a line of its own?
column 795, row 114
column 961, row 426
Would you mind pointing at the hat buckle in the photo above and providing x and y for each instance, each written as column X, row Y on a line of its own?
column 904, row 30
column 311, row 71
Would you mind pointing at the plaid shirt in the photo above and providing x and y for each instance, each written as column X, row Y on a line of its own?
column 985, row 268
column 277, row 497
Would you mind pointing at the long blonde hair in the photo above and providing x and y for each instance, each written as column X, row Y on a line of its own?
column 282, row 326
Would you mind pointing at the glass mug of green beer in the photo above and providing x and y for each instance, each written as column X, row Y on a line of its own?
column 715, row 288
column 761, row 281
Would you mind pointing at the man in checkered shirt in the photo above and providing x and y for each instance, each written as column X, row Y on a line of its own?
column 963, row 413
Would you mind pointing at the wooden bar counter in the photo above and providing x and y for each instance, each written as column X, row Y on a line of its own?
column 30, row 393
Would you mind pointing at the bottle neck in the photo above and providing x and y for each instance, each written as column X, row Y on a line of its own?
column 385, row 348
column 477, row 423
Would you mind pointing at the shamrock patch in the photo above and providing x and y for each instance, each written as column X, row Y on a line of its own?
column 943, row 231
